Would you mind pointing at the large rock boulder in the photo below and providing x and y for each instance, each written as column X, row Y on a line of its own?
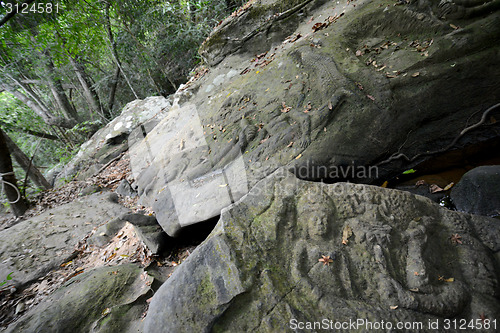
column 360, row 90
column 478, row 192
column 111, row 140
column 106, row 299
column 293, row 252
column 31, row 248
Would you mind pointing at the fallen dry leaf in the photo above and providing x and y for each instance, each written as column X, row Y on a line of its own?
column 450, row 185
column 434, row 189
column 346, row 233
column 326, row 260
column 285, row 108
column 420, row 182
column 394, row 307
column 456, row 239
column 318, row 26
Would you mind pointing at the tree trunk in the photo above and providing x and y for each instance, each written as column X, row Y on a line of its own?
column 112, row 92
column 8, row 179
column 30, row 132
column 25, row 163
column 88, row 90
column 32, row 104
column 47, row 117
column 107, row 22
column 57, row 90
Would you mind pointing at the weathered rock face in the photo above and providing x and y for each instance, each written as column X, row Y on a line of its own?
column 478, row 192
column 357, row 84
column 110, row 141
column 107, row 299
column 33, row 247
column 295, row 251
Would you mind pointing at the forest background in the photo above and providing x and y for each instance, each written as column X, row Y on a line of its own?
column 67, row 67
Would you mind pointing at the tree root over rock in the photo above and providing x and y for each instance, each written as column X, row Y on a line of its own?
column 399, row 155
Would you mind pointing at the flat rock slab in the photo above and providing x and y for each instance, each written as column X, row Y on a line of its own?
column 106, row 299
column 292, row 252
column 33, row 247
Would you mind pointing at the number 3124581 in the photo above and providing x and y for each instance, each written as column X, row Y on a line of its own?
column 36, row 8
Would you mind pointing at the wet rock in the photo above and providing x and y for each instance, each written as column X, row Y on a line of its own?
column 106, row 299
column 297, row 251
column 478, row 192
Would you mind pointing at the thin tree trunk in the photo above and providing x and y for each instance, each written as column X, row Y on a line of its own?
column 30, row 132
column 88, row 90
column 113, row 48
column 57, row 90
column 25, row 163
column 145, row 49
column 33, row 105
column 8, row 180
column 114, row 85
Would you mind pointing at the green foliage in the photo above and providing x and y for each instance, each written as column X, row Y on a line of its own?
column 9, row 277
column 156, row 43
column 14, row 114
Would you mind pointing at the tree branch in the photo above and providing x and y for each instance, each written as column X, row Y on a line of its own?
column 10, row 15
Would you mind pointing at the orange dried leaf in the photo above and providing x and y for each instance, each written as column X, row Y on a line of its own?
column 326, row 260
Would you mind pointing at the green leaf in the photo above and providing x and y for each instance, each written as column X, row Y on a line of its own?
column 407, row 172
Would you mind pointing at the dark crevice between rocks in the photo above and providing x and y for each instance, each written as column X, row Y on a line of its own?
column 441, row 169
column 194, row 234
column 177, row 249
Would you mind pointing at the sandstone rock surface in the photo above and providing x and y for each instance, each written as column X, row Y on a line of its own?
column 296, row 250
column 359, row 90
